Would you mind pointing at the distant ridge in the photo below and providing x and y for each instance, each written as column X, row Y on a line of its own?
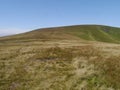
column 100, row 33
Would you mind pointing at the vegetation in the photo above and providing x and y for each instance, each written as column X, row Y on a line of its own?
column 61, row 59
column 58, row 68
column 85, row 32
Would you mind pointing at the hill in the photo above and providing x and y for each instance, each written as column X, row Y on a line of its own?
column 61, row 58
column 83, row 32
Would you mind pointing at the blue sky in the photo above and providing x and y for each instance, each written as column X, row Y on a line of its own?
column 18, row 16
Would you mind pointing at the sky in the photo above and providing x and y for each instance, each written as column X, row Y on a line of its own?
column 17, row 16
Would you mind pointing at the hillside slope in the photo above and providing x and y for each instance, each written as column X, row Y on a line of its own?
column 85, row 32
column 62, row 58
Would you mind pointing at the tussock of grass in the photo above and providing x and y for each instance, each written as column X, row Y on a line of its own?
column 110, row 69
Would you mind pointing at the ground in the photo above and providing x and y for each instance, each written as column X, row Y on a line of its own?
column 59, row 65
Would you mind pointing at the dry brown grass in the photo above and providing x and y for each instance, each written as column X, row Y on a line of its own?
column 72, row 66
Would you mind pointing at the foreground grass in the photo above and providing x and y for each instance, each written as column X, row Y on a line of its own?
column 58, row 68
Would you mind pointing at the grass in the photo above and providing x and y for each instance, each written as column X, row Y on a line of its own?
column 95, row 33
column 61, row 59
column 85, row 32
column 58, row 67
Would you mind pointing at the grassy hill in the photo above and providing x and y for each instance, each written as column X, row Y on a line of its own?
column 84, row 32
column 61, row 58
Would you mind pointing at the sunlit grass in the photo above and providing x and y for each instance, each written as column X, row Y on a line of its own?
column 58, row 68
